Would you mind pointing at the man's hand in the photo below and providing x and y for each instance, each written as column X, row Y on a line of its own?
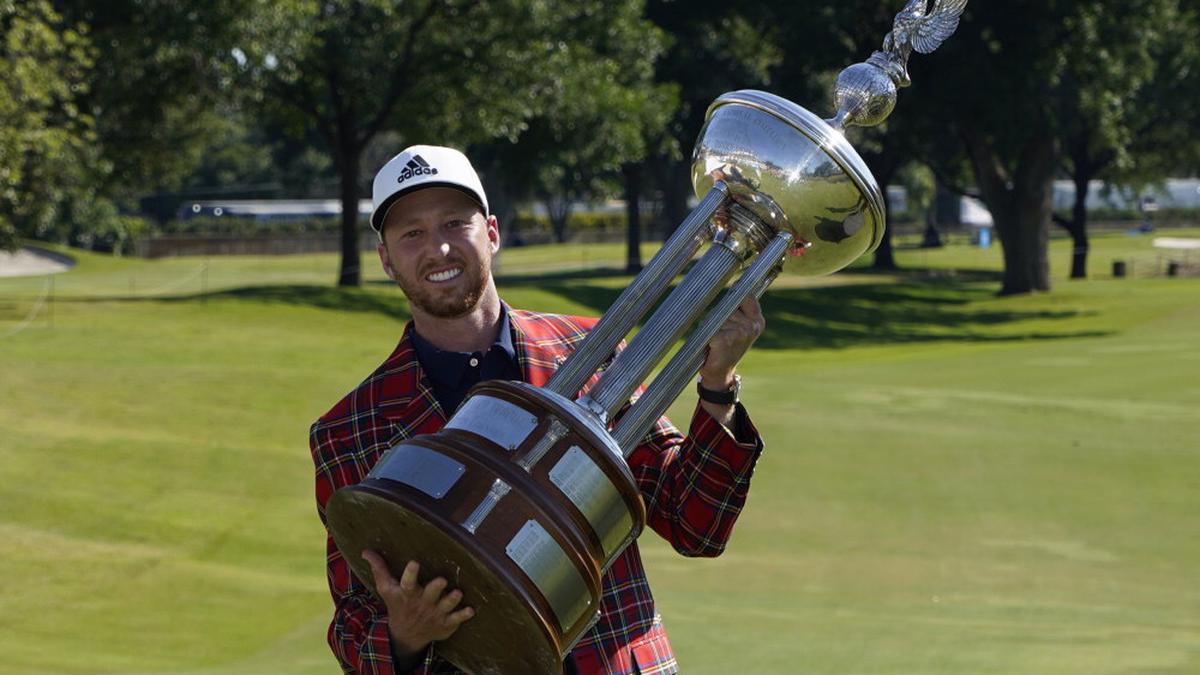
column 726, row 349
column 417, row 615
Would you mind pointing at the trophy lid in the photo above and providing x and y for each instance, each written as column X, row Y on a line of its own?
column 763, row 145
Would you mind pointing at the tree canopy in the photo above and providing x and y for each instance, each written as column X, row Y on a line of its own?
column 105, row 104
column 351, row 70
column 1015, row 84
column 45, row 136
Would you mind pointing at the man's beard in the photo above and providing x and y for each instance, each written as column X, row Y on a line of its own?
column 448, row 304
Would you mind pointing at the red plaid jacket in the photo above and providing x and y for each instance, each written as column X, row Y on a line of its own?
column 694, row 489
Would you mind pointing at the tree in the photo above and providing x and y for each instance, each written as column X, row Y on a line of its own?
column 1141, row 126
column 604, row 114
column 715, row 47
column 46, row 163
column 456, row 71
column 720, row 47
column 1009, row 84
column 161, row 69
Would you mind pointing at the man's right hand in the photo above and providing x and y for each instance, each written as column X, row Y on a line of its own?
column 417, row 615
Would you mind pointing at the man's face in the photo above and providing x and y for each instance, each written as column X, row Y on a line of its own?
column 438, row 246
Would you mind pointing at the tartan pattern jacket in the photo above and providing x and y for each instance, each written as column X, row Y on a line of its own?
column 693, row 488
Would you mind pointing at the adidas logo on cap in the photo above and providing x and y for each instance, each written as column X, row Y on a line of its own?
column 417, row 166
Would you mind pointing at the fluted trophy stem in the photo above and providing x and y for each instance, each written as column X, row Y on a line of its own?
column 745, row 235
column 638, row 297
column 686, row 362
column 678, row 311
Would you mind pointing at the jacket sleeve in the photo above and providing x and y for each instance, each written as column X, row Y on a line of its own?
column 694, row 487
column 358, row 634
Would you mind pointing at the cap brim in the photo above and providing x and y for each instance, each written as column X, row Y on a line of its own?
column 380, row 214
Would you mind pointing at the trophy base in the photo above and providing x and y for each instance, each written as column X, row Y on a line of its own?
column 506, row 635
column 520, row 501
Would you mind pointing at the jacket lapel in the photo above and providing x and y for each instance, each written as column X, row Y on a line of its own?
column 410, row 405
column 538, row 358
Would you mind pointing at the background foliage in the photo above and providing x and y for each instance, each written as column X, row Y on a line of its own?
column 117, row 113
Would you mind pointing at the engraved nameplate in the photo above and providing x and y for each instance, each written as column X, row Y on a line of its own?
column 497, row 420
column 594, row 495
column 419, row 467
column 547, row 566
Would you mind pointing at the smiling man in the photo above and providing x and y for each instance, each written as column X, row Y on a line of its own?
column 437, row 242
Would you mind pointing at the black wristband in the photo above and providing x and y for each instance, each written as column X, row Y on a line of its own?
column 727, row 397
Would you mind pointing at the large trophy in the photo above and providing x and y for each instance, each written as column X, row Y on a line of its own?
column 524, row 498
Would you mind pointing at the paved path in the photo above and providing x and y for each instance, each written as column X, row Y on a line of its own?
column 32, row 262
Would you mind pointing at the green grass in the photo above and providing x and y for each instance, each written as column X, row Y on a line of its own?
column 954, row 482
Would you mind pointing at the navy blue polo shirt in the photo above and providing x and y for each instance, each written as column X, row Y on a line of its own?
column 453, row 373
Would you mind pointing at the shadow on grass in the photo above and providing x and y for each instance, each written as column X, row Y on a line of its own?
column 905, row 312
column 304, row 295
column 930, row 274
column 917, row 306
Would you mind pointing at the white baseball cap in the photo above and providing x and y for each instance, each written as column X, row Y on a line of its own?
column 422, row 166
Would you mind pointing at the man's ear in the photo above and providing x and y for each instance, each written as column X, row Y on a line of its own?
column 387, row 263
column 493, row 232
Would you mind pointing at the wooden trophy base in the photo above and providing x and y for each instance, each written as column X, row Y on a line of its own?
column 521, row 502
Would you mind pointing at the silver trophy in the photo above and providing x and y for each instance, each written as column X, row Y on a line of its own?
column 524, row 498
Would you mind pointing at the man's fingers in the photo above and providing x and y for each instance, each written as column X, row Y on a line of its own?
column 433, row 590
column 756, row 315
column 449, row 601
column 408, row 578
column 752, row 309
column 379, row 570
column 460, row 616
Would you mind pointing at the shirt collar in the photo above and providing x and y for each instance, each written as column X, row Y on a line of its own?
column 446, row 367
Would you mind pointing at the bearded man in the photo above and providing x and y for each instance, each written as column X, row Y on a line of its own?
column 437, row 242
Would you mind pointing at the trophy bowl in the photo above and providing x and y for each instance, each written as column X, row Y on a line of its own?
column 764, row 145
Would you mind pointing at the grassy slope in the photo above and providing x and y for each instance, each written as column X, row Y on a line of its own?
column 954, row 482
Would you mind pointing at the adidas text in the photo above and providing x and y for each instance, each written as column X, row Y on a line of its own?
column 417, row 166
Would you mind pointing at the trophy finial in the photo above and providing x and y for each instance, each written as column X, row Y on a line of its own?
column 866, row 92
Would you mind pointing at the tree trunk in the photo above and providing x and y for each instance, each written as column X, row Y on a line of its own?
column 559, row 211
column 1078, row 228
column 633, row 217
column 1038, row 214
column 931, row 237
column 500, row 203
column 883, row 165
column 1020, row 206
column 946, row 209
column 350, row 273
column 676, row 186
column 1022, row 226
column 884, row 259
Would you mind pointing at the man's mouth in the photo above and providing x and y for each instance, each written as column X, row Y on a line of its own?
column 444, row 275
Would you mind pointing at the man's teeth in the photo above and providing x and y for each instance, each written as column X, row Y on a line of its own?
column 444, row 275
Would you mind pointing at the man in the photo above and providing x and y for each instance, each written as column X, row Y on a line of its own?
column 437, row 242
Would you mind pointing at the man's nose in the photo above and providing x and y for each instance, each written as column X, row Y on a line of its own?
column 440, row 243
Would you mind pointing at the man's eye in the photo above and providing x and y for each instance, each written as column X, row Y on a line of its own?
column 456, row 223
column 410, row 234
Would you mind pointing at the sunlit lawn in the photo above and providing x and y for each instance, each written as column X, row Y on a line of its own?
column 953, row 483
